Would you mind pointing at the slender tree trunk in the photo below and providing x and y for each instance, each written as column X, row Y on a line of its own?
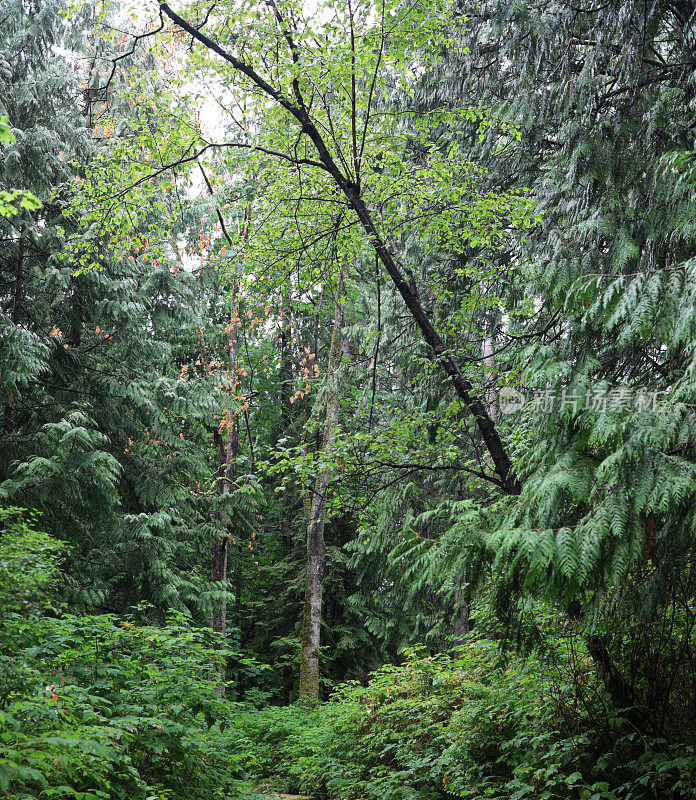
column 227, row 446
column 238, row 585
column 491, row 378
column 462, row 623
column 462, row 385
column 311, row 621
column 285, row 369
column 17, row 299
column 285, row 375
column 351, row 190
column 218, row 576
column 16, row 304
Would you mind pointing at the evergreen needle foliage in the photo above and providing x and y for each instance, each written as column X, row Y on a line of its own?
column 389, row 306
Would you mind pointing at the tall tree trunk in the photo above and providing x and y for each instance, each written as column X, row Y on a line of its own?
column 238, row 585
column 285, row 376
column 311, row 621
column 285, row 369
column 462, row 622
column 227, row 446
column 491, row 378
column 16, row 304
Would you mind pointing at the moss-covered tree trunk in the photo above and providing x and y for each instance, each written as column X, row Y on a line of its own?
column 316, row 516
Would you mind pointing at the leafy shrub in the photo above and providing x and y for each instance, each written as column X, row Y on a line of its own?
column 286, row 745
column 424, row 729
column 96, row 707
column 436, row 726
column 28, row 561
column 464, row 726
column 107, row 708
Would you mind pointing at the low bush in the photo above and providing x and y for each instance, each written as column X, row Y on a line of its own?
column 96, row 707
column 465, row 726
column 288, row 747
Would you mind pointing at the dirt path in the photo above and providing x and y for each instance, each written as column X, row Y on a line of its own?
column 265, row 791
column 276, row 796
column 281, row 796
column 269, row 793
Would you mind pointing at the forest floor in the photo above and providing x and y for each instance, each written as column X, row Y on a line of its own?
column 280, row 796
column 267, row 792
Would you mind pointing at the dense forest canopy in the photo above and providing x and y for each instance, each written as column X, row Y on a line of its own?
column 347, row 388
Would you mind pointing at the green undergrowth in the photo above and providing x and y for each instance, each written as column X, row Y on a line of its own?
column 97, row 707
column 469, row 727
column 100, row 707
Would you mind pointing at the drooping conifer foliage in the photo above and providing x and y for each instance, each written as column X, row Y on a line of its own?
column 605, row 522
column 347, row 399
column 87, row 359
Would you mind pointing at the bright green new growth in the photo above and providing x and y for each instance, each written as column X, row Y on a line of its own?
column 8, row 198
column 508, row 192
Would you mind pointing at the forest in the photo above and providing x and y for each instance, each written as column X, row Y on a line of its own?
column 348, row 399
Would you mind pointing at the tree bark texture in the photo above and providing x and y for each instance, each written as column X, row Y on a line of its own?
column 311, row 621
column 227, row 446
